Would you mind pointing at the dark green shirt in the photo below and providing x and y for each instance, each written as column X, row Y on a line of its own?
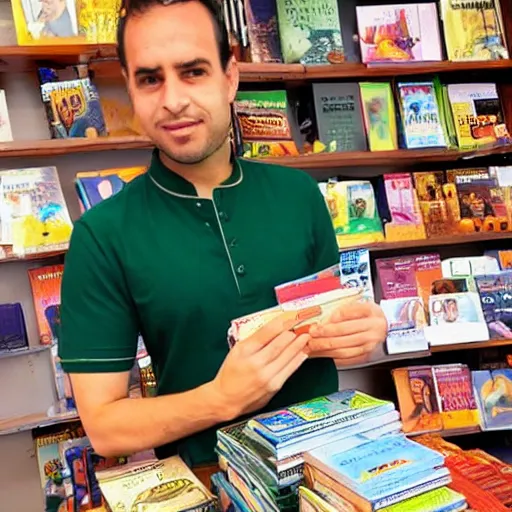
column 158, row 260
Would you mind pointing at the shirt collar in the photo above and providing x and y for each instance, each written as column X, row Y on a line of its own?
column 174, row 184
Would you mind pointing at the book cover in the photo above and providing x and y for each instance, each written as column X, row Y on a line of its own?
column 397, row 277
column 478, row 115
column 456, row 398
column 339, row 116
column 417, row 399
column 399, row 33
column 5, row 123
column 356, row 271
column 166, row 484
column 470, row 266
column 95, row 186
column 13, row 331
column 379, row 116
column 406, row 323
column 443, row 499
column 33, row 214
column 310, row 33
column 310, row 501
column 493, row 390
column 263, row 30
column 373, row 468
column 265, row 121
column 73, row 107
column 421, row 122
column 473, row 30
column 496, row 298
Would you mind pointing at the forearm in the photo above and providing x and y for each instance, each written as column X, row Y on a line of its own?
column 130, row 425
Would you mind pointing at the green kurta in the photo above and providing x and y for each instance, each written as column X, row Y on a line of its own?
column 158, row 260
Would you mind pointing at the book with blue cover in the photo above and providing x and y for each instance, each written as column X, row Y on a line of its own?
column 493, row 391
column 378, row 467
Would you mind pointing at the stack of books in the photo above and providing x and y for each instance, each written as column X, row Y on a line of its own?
column 388, row 474
column 262, row 459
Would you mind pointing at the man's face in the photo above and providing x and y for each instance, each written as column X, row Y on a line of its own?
column 179, row 90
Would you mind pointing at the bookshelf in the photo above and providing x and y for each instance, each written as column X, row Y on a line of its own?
column 471, row 346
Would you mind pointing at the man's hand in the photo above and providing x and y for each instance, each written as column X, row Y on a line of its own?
column 350, row 335
column 256, row 368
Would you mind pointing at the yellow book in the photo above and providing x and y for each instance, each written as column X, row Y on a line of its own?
column 473, row 30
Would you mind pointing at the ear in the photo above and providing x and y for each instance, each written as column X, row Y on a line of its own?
column 233, row 78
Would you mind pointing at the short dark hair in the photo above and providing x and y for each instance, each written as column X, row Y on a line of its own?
column 132, row 7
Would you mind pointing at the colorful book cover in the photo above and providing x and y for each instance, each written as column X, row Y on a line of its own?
column 34, row 218
column 493, row 390
column 339, row 116
column 95, row 186
column 421, row 122
column 406, row 324
column 470, row 266
column 378, row 467
column 310, row 501
column 478, row 115
column 356, row 271
column 399, row 33
column 167, row 484
column 265, row 122
column 419, row 410
column 456, row 398
column 379, row 116
column 229, row 499
column 13, row 331
column 5, row 123
column 73, row 107
column 346, row 404
column 353, row 209
column 310, row 34
column 406, row 220
column 443, row 499
column 496, row 298
column 473, row 30
column 263, row 30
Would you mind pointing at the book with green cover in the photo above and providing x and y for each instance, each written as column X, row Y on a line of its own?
column 310, row 31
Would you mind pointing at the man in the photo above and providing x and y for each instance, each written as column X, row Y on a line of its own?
column 195, row 242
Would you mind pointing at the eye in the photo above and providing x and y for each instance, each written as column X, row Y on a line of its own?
column 148, row 81
column 195, row 73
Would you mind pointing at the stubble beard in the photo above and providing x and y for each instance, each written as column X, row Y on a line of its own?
column 194, row 158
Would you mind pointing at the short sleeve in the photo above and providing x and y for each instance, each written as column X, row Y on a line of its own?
column 99, row 326
column 326, row 251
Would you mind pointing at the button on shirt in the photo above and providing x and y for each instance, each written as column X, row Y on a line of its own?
column 157, row 260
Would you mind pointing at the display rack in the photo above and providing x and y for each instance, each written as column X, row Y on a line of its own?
column 102, row 61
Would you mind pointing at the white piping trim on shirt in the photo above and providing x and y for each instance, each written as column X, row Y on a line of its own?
column 186, row 196
column 100, row 360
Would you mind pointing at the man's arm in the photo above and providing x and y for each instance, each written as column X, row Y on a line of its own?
column 97, row 347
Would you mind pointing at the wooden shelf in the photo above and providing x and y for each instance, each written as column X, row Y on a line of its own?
column 434, row 242
column 103, row 59
column 51, row 147
column 31, row 421
column 471, row 345
column 449, row 433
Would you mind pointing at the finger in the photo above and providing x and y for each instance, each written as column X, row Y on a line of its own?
column 285, row 353
column 348, row 353
column 344, row 363
column 284, row 322
column 352, row 311
column 345, row 328
column 341, row 342
column 287, row 371
column 272, row 350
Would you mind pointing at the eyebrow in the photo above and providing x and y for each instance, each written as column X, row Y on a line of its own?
column 193, row 63
column 147, row 71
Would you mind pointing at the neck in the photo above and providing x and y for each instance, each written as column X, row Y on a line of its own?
column 206, row 175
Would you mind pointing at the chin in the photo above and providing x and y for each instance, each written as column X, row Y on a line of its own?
column 185, row 157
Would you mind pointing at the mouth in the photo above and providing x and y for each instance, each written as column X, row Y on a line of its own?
column 180, row 127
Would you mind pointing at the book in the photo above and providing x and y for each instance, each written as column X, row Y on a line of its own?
column 379, row 116
column 95, row 186
column 478, row 115
column 263, row 30
column 161, row 485
column 13, row 331
column 310, row 34
column 493, row 391
column 417, row 399
column 34, row 217
column 265, row 123
column 399, row 33
column 73, row 106
column 339, row 116
column 356, row 271
column 5, row 123
column 421, row 121
column 310, row 501
column 473, row 30
column 378, row 469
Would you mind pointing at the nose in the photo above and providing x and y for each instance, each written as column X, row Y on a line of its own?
column 176, row 97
